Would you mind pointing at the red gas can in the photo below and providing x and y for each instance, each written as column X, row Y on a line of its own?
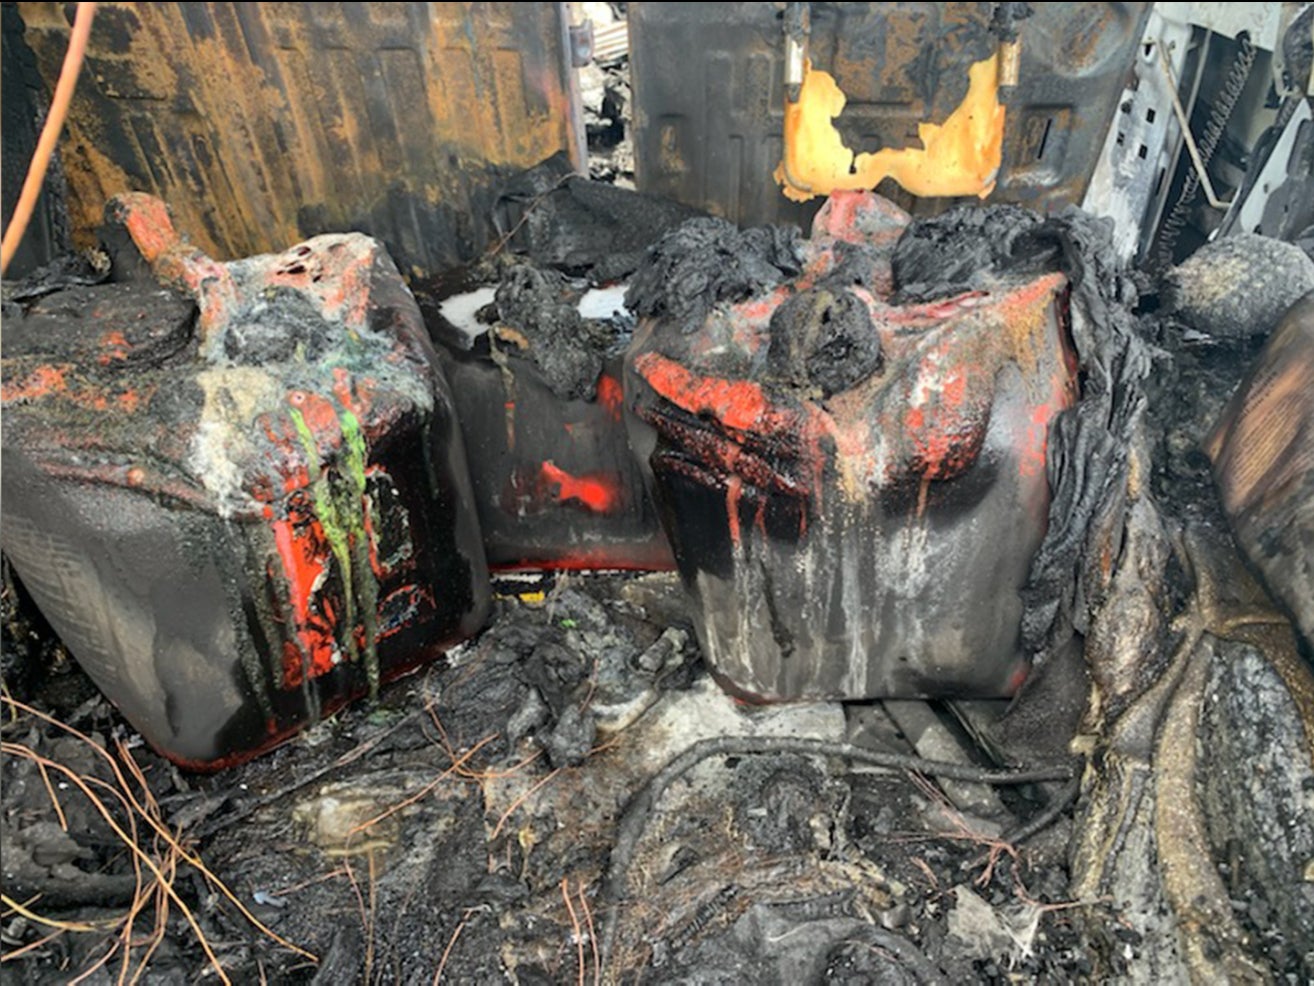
column 854, row 487
column 240, row 495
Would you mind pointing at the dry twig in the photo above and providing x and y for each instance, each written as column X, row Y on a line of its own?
column 593, row 935
column 575, row 931
column 497, row 830
column 156, row 853
column 451, row 942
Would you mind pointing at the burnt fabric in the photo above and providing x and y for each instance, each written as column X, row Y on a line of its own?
column 556, row 218
column 706, row 262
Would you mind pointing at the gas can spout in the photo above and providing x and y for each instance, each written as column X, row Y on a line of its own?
column 174, row 261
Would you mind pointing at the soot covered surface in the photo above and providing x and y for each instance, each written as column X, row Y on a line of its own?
column 468, row 823
column 859, row 412
column 488, row 821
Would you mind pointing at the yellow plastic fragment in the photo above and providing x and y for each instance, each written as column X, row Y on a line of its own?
column 959, row 157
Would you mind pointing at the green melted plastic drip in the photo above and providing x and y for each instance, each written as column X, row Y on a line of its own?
column 340, row 505
column 354, row 505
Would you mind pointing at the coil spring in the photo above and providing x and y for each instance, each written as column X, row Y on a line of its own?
column 1224, row 104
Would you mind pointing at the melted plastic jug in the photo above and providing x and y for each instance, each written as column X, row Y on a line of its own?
column 241, row 498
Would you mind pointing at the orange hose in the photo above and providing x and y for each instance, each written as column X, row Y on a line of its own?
column 36, row 171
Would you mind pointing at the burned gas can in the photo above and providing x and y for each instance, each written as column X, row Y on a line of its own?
column 854, row 487
column 240, row 494
column 538, row 394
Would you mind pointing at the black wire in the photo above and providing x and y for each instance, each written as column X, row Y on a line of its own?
column 1046, row 817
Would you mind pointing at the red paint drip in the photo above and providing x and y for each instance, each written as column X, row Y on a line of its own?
column 600, row 492
column 733, row 489
column 610, row 395
column 304, row 555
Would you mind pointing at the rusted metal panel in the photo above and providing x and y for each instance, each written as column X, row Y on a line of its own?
column 264, row 123
column 710, row 134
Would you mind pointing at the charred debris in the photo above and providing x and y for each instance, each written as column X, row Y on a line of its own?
column 902, row 598
column 573, row 791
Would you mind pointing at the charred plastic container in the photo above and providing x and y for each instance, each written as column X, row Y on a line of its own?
column 240, row 498
column 535, row 374
column 854, row 488
column 1263, row 459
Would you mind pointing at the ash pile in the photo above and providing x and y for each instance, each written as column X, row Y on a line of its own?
column 581, row 792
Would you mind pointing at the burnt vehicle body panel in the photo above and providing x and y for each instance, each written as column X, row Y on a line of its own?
column 265, row 124
column 709, row 134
